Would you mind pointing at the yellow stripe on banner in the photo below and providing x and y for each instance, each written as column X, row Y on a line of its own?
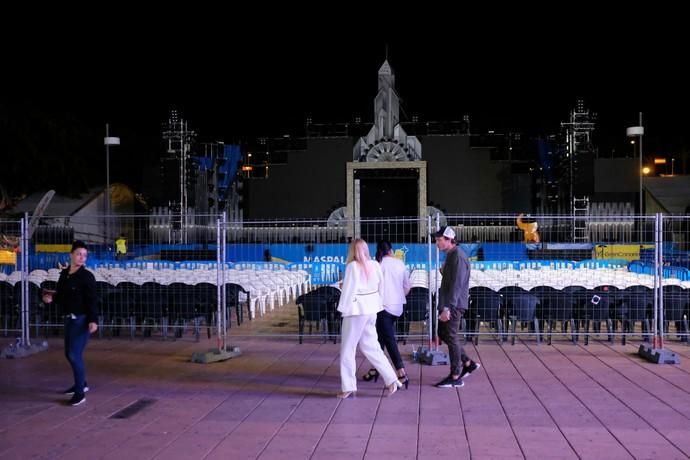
column 53, row 247
column 8, row 257
column 620, row 251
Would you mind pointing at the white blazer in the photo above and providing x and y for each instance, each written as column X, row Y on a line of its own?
column 369, row 290
column 396, row 280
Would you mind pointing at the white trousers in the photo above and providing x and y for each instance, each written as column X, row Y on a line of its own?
column 362, row 329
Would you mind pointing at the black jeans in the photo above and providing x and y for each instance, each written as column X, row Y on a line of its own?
column 385, row 328
column 76, row 337
column 448, row 332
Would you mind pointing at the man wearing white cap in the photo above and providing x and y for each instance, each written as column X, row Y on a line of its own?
column 453, row 300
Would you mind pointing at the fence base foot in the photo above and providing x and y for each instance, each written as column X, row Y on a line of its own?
column 431, row 357
column 20, row 351
column 214, row 355
column 658, row 355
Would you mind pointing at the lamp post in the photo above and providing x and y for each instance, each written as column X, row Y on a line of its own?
column 108, row 141
column 638, row 132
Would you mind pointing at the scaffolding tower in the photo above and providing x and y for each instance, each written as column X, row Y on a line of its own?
column 179, row 139
column 580, row 220
column 576, row 167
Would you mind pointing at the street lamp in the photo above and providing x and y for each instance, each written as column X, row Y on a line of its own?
column 108, row 141
column 638, row 131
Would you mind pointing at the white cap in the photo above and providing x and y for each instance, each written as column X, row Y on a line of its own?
column 447, row 232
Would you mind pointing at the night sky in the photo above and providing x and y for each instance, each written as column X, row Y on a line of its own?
column 235, row 84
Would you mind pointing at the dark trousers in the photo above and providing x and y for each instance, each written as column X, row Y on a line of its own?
column 76, row 337
column 385, row 328
column 448, row 333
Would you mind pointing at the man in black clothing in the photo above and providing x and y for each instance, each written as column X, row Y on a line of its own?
column 76, row 296
column 452, row 304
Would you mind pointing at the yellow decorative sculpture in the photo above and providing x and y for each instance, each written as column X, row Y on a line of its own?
column 531, row 233
column 9, row 247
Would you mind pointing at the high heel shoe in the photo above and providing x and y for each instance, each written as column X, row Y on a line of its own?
column 404, row 380
column 393, row 387
column 345, row 394
column 373, row 374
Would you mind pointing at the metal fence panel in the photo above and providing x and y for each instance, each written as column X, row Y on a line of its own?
column 287, row 273
column 538, row 278
column 154, row 275
column 11, row 278
column 675, row 273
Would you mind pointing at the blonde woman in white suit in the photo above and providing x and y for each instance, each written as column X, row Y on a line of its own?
column 361, row 299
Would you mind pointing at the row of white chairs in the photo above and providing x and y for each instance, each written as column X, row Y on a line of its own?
column 267, row 289
column 529, row 278
column 286, row 285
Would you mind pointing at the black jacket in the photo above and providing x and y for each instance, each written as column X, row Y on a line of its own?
column 76, row 293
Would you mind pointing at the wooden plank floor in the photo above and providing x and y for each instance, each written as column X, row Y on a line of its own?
column 277, row 401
